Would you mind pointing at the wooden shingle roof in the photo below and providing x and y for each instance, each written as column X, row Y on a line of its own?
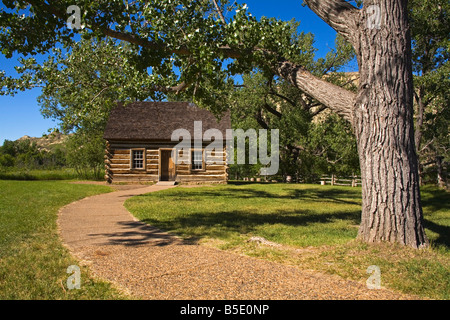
column 155, row 121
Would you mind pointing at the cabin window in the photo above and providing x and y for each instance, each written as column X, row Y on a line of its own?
column 197, row 160
column 137, row 159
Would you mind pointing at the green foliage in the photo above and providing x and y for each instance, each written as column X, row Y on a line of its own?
column 80, row 85
column 330, row 149
column 309, row 147
column 6, row 160
column 176, row 41
column 80, row 157
column 85, row 153
column 26, row 154
column 430, row 28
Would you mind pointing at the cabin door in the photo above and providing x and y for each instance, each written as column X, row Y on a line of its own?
column 167, row 166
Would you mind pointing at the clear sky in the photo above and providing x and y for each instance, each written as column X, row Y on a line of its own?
column 20, row 115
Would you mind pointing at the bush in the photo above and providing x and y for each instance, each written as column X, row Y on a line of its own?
column 85, row 153
column 6, row 160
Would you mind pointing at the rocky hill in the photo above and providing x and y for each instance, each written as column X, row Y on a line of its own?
column 47, row 142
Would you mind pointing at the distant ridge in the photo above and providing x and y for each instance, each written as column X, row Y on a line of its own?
column 47, row 142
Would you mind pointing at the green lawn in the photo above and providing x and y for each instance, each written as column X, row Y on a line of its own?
column 316, row 225
column 42, row 174
column 33, row 262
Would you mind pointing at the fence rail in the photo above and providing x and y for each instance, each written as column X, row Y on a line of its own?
column 340, row 181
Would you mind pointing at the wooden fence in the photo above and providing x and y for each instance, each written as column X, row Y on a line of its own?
column 340, row 181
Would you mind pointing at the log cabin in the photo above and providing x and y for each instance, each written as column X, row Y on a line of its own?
column 139, row 144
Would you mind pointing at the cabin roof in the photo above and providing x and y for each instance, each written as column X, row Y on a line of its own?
column 157, row 120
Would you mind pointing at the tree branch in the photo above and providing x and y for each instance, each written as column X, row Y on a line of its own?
column 261, row 122
column 339, row 14
column 272, row 110
column 175, row 89
column 219, row 12
column 128, row 37
column 292, row 103
column 319, row 110
column 336, row 98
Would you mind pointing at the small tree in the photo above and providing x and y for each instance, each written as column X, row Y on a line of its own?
column 85, row 152
column 332, row 146
column 430, row 28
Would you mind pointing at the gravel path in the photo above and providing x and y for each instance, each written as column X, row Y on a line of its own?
column 150, row 264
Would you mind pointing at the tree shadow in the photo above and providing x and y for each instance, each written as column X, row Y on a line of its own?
column 220, row 224
column 338, row 195
column 135, row 233
column 443, row 232
column 217, row 224
column 435, row 200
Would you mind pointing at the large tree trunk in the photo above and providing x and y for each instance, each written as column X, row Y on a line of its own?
column 382, row 117
column 383, row 123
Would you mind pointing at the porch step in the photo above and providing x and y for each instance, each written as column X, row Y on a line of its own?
column 166, row 183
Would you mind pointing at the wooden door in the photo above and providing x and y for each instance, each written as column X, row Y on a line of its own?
column 167, row 172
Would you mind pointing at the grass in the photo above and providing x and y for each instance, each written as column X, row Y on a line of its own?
column 43, row 174
column 316, row 226
column 33, row 262
column 280, row 213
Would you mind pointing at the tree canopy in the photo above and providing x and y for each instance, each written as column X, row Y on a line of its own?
column 181, row 45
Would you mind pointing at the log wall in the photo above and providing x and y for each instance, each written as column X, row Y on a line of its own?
column 118, row 165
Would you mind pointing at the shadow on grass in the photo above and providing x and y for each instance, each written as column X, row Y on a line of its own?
column 443, row 232
column 220, row 224
column 433, row 201
column 338, row 195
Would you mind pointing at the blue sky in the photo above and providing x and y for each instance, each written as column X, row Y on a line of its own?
column 20, row 114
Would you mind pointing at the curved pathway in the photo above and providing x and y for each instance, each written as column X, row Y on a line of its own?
column 150, row 264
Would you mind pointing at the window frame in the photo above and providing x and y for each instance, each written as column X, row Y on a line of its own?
column 144, row 162
column 191, row 162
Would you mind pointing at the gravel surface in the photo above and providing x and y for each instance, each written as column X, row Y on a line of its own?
column 150, row 264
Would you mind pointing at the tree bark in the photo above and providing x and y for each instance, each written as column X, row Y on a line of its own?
column 336, row 98
column 382, row 117
column 383, row 124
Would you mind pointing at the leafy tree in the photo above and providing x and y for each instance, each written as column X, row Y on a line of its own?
column 85, row 152
column 26, row 154
column 331, row 148
column 6, row 160
column 9, row 147
column 80, row 86
column 193, row 47
column 430, row 27
column 272, row 103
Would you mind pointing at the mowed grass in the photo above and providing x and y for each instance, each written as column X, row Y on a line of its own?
column 42, row 174
column 33, row 262
column 315, row 225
